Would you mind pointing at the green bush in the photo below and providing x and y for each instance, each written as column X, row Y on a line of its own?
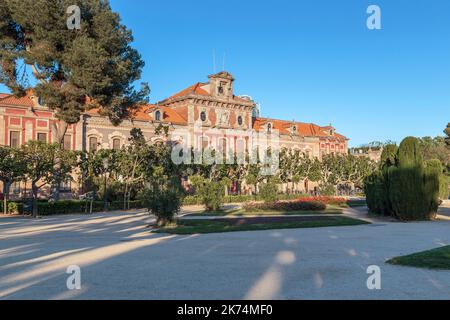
column 197, row 200
column 164, row 203
column 434, row 166
column 212, row 195
column 13, row 207
column 285, row 206
column 327, row 190
column 269, row 192
column 62, row 207
column 405, row 187
column 444, row 183
column 413, row 186
column 376, row 194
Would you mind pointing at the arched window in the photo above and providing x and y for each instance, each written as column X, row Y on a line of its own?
column 269, row 128
column 93, row 144
column 158, row 115
column 240, row 121
column 203, row 116
column 116, row 144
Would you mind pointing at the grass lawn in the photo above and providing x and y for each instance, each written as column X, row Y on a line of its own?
column 432, row 259
column 330, row 210
column 186, row 226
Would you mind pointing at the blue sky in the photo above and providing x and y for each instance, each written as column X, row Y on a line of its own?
column 308, row 60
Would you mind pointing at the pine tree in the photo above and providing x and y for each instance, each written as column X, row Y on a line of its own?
column 74, row 69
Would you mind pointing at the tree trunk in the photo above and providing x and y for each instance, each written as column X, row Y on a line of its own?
column 125, row 197
column 128, row 199
column 5, row 196
column 60, row 131
column 35, row 203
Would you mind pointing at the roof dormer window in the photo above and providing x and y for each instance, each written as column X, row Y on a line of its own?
column 294, row 129
column 269, row 128
column 157, row 115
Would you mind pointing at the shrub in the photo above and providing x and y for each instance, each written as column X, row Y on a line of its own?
column 325, row 199
column 163, row 202
column 413, row 188
column 285, row 206
column 434, row 166
column 62, row 207
column 376, row 194
column 405, row 187
column 212, row 195
column 13, row 207
column 269, row 192
column 327, row 190
column 444, row 183
column 196, row 200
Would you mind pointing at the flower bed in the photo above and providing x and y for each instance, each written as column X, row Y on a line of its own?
column 325, row 200
column 285, row 206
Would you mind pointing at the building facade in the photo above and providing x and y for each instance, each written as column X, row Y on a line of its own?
column 209, row 113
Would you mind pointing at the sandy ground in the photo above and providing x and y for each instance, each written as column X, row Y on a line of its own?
column 120, row 259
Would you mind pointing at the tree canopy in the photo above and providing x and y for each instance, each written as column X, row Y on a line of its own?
column 74, row 69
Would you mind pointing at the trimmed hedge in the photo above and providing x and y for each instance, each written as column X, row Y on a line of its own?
column 405, row 187
column 326, row 199
column 13, row 207
column 285, row 206
column 196, row 200
column 46, row 208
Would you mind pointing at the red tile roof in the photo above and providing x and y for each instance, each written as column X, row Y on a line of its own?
column 145, row 113
column 194, row 89
column 303, row 129
column 25, row 101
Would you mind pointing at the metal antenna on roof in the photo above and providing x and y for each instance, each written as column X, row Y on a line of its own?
column 214, row 60
column 224, row 58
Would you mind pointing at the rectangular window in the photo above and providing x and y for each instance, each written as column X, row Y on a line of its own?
column 67, row 145
column 14, row 139
column 116, row 144
column 42, row 137
column 93, row 144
